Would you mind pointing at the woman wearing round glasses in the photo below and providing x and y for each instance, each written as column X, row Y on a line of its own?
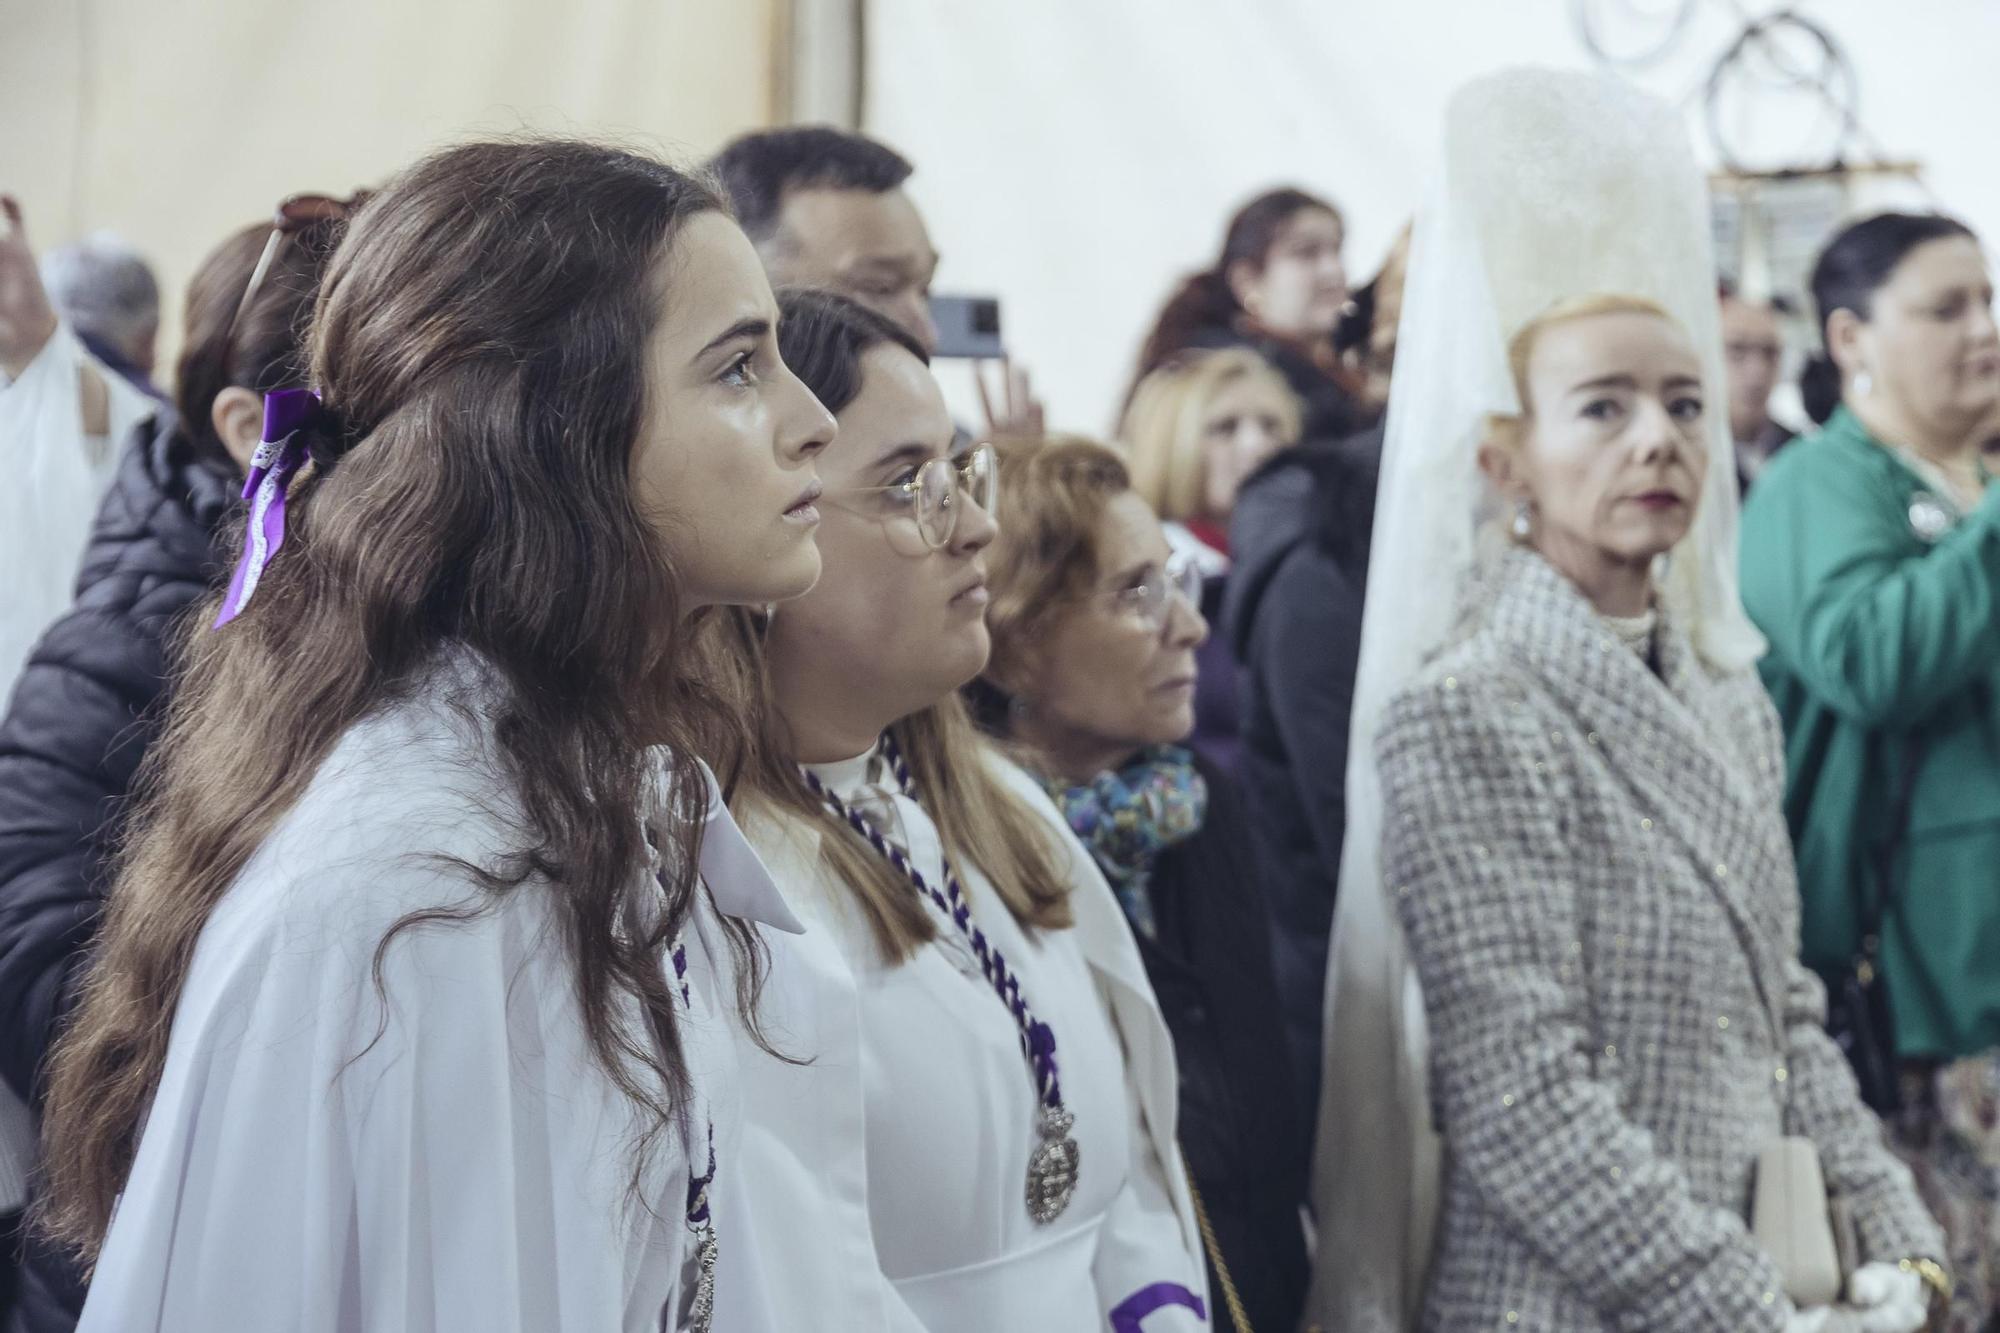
column 1095, row 630
column 965, row 1116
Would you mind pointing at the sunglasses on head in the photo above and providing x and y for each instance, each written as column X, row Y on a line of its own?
column 295, row 215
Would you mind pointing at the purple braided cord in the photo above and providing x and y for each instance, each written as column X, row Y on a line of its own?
column 1038, row 1039
column 697, row 1193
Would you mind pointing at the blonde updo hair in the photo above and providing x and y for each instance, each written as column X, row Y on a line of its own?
column 1505, row 429
column 1164, row 425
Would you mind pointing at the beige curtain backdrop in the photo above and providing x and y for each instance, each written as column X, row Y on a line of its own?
column 173, row 122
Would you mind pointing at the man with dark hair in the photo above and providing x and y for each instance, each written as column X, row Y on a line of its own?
column 1753, row 352
column 826, row 208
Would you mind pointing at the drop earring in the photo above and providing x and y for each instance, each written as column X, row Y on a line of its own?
column 1524, row 521
column 1864, row 384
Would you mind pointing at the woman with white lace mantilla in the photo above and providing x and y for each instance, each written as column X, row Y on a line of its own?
column 969, row 1119
column 1566, row 802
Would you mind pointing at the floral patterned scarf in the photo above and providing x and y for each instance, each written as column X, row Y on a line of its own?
column 1128, row 817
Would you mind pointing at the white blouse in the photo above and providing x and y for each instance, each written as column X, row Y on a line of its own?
column 318, row 1162
column 908, row 1135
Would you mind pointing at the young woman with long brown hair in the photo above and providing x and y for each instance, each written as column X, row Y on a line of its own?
column 405, row 1016
column 983, row 1137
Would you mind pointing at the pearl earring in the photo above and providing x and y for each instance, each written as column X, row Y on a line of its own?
column 1524, row 520
column 1864, row 384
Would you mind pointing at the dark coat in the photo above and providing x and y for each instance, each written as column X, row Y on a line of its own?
column 1210, row 965
column 1292, row 615
column 82, row 716
column 1217, row 691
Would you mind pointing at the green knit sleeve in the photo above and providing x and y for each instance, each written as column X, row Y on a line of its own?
column 1880, row 626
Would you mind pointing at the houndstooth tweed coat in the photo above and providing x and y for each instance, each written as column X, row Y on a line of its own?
column 1591, row 863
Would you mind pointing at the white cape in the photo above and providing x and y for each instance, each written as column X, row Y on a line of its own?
column 317, row 1163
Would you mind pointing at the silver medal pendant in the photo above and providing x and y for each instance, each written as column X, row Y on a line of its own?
column 1052, row 1168
column 702, row 1312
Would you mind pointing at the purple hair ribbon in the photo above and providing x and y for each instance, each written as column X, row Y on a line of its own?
column 280, row 455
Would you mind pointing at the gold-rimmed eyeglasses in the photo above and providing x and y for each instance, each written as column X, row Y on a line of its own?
column 931, row 494
column 1149, row 600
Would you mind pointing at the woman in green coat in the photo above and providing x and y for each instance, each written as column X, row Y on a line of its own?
column 1871, row 560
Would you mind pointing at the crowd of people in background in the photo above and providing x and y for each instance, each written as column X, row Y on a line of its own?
column 533, row 683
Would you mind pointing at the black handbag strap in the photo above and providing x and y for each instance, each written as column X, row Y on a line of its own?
column 1887, row 881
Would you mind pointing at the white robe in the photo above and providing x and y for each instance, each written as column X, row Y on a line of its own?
column 315, row 1163
column 892, row 1168
column 56, row 476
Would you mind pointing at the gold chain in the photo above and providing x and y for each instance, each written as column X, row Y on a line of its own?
column 1229, row 1296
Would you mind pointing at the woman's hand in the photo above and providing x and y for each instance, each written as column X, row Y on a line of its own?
column 1888, row 1298
column 1882, row 1298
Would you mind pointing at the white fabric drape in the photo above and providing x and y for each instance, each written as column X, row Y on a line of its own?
column 56, row 476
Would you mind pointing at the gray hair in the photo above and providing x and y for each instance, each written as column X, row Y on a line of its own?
column 103, row 288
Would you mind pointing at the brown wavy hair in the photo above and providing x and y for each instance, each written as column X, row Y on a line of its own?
column 481, row 338
column 264, row 348
column 1054, row 490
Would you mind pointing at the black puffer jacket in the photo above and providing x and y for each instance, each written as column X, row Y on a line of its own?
column 82, row 715
column 1300, row 536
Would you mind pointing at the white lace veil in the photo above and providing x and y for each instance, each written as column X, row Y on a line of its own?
column 1553, row 185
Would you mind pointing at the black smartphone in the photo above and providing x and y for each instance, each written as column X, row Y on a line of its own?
column 968, row 327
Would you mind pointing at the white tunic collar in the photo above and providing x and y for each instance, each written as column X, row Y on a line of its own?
column 735, row 874
column 850, row 778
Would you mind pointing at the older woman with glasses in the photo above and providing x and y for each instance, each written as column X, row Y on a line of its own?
column 962, row 1108
column 1095, row 623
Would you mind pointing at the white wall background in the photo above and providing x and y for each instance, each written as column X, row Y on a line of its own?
column 1077, row 156
column 175, row 123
